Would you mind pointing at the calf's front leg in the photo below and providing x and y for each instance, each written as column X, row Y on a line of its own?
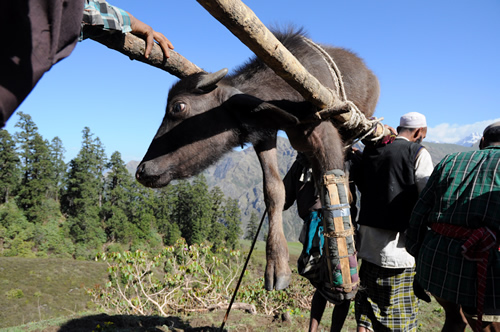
column 278, row 273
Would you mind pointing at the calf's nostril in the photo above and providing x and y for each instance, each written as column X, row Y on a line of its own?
column 140, row 171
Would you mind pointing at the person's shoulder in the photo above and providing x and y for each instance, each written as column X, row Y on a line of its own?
column 404, row 141
column 463, row 156
column 492, row 149
column 492, row 153
column 414, row 148
column 476, row 153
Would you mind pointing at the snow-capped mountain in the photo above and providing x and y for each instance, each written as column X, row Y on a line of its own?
column 469, row 140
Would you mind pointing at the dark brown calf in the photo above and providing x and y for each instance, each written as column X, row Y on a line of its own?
column 208, row 115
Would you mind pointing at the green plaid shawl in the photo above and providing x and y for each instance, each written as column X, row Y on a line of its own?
column 463, row 190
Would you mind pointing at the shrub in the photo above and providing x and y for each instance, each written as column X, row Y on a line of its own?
column 180, row 278
column 295, row 298
column 14, row 294
column 186, row 278
column 115, row 247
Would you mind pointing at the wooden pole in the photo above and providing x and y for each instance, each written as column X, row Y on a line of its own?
column 134, row 47
column 245, row 25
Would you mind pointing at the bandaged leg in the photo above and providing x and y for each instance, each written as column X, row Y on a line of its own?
column 339, row 235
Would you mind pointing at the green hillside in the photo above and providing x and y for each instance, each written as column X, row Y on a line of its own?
column 49, row 295
column 439, row 150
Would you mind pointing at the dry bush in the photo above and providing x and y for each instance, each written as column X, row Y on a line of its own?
column 186, row 278
column 180, row 278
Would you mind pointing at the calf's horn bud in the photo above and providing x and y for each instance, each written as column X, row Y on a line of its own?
column 211, row 79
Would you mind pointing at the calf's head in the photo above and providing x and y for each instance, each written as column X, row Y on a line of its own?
column 192, row 134
column 205, row 118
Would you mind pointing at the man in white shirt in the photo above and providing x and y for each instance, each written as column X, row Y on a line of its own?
column 391, row 179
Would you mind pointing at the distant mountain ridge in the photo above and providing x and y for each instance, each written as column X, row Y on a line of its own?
column 239, row 176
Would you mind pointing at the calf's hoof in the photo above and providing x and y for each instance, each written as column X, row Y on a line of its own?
column 277, row 281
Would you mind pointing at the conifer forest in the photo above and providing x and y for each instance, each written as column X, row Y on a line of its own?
column 93, row 204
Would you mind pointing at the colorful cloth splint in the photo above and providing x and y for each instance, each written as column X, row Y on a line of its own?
column 339, row 247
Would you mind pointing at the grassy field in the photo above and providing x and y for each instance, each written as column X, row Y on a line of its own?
column 37, row 289
column 49, row 295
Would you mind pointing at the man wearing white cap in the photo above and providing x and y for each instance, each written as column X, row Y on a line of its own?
column 392, row 177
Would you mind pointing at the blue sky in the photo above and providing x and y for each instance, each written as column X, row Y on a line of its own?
column 440, row 58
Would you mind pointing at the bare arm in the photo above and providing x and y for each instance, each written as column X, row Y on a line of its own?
column 141, row 28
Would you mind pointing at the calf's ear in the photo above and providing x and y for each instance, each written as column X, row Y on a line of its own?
column 267, row 113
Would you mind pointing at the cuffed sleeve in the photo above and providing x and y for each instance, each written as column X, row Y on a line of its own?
column 98, row 14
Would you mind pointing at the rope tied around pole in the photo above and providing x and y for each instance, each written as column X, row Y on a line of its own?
column 357, row 119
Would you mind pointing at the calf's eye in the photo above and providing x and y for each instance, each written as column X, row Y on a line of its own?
column 178, row 108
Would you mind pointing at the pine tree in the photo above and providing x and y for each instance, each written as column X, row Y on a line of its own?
column 56, row 150
column 192, row 209
column 25, row 139
column 252, row 227
column 181, row 211
column 232, row 217
column 172, row 234
column 201, row 209
column 115, row 210
column 37, row 170
column 164, row 208
column 143, row 225
column 82, row 199
column 217, row 232
column 17, row 232
column 9, row 166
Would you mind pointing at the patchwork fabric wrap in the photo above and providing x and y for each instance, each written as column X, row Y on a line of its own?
column 328, row 257
column 339, row 247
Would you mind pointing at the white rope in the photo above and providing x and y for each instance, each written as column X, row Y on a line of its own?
column 357, row 118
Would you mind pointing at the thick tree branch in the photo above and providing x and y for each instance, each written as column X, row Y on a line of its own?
column 133, row 47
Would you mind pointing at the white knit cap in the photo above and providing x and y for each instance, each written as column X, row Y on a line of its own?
column 413, row 120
